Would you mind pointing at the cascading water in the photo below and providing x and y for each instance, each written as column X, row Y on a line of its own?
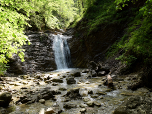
column 61, row 52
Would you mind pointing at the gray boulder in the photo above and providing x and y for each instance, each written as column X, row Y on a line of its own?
column 5, row 99
column 77, row 74
column 73, row 94
column 71, row 81
column 93, row 73
column 58, row 80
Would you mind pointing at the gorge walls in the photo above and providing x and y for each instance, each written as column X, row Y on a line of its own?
column 94, row 46
column 39, row 56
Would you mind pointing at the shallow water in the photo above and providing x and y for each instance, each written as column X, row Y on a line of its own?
column 109, row 101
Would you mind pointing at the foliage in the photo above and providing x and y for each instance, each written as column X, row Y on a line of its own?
column 11, row 30
column 136, row 43
column 100, row 12
column 53, row 13
column 17, row 15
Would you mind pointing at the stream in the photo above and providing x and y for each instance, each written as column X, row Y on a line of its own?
column 104, row 99
column 66, row 90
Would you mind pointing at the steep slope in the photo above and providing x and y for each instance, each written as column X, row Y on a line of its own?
column 100, row 28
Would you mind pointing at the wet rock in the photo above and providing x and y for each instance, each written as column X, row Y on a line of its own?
column 127, row 94
column 3, row 110
column 55, row 84
column 93, row 73
column 94, row 96
column 1, row 79
column 64, row 76
column 24, row 88
column 57, row 80
column 102, row 73
column 56, row 92
column 92, row 65
column 67, row 99
column 24, row 76
column 100, row 97
column 86, row 99
column 85, row 71
column 79, row 83
column 37, row 82
column 97, row 103
column 83, row 92
column 69, row 106
column 73, row 94
column 25, row 83
column 90, row 92
column 31, row 97
column 46, row 77
column 87, row 82
column 104, row 68
column 38, row 76
column 57, row 110
column 114, row 77
column 42, row 101
column 90, row 103
column 77, row 74
column 135, row 105
column 71, row 81
column 17, row 84
column 5, row 99
column 82, row 105
column 48, row 81
column 41, row 111
column 83, row 110
column 62, row 89
column 101, row 93
column 107, row 90
column 120, row 79
column 49, row 111
column 128, row 78
column 11, row 83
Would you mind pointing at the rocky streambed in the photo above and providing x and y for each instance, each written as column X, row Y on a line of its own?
column 73, row 91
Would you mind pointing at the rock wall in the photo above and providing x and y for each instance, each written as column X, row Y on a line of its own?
column 93, row 47
column 39, row 56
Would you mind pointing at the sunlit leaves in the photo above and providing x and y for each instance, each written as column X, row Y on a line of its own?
column 11, row 30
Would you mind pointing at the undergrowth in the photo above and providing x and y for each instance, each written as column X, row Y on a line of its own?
column 136, row 42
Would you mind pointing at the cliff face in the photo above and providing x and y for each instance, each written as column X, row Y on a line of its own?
column 109, row 28
column 93, row 47
column 39, row 56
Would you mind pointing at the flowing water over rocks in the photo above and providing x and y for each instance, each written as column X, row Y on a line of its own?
column 61, row 52
column 50, row 92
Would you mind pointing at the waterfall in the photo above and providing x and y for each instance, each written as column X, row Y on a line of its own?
column 61, row 52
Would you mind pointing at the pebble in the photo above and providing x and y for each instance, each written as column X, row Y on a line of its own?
column 83, row 110
column 42, row 101
column 82, row 105
column 90, row 103
column 86, row 99
column 97, row 103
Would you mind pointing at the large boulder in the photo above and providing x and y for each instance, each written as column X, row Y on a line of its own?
column 73, row 94
column 92, row 65
column 77, row 74
column 5, row 99
column 93, row 73
column 135, row 105
column 71, row 81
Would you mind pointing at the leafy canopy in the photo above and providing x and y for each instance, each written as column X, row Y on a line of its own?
column 18, row 15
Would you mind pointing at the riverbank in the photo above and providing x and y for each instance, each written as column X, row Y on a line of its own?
column 68, row 92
